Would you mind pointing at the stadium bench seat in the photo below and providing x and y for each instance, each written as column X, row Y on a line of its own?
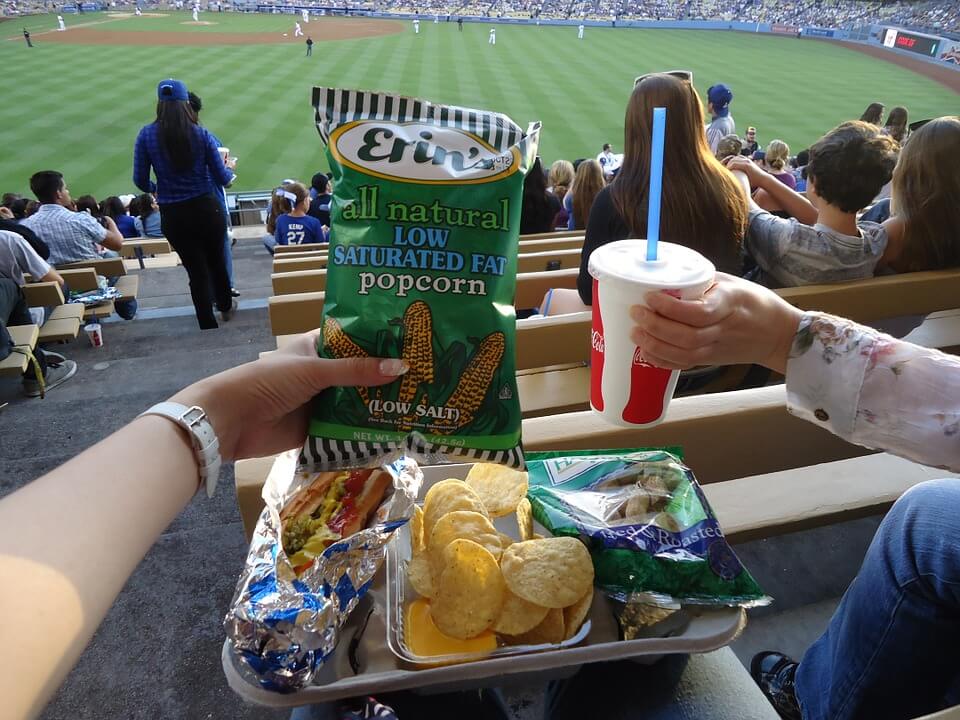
column 108, row 267
column 23, row 336
column 139, row 249
column 64, row 321
column 531, row 287
column 797, row 475
column 550, row 260
column 43, row 294
column 573, row 242
column 63, row 324
column 297, row 301
column 305, row 247
column 553, row 353
column 550, row 235
column 85, row 280
column 301, row 255
column 567, row 258
column 297, row 264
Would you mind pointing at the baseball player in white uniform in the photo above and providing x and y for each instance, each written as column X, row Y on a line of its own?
column 580, row 32
column 196, row 14
column 492, row 40
column 297, row 30
column 60, row 26
column 416, row 26
column 305, row 14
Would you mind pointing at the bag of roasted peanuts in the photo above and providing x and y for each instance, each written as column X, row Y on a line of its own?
column 422, row 266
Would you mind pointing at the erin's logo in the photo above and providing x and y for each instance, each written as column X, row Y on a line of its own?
column 416, row 152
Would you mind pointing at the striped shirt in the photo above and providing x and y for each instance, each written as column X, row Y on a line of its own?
column 178, row 185
column 71, row 235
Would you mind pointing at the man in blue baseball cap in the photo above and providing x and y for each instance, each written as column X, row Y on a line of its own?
column 719, row 98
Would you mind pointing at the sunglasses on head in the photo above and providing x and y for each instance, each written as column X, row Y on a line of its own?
column 685, row 75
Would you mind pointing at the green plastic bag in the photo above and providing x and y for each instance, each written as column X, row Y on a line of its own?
column 650, row 530
column 422, row 266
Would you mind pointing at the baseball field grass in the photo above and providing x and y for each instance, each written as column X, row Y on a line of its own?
column 76, row 100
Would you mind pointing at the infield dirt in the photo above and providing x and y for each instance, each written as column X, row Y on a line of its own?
column 321, row 30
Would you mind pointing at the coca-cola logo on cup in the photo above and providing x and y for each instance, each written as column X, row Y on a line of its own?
column 596, row 339
column 638, row 358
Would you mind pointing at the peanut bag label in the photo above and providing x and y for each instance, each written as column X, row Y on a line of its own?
column 422, row 266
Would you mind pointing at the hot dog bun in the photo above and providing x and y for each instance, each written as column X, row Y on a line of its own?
column 309, row 498
column 334, row 506
column 367, row 502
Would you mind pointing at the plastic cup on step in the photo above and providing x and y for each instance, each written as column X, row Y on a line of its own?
column 95, row 333
column 625, row 389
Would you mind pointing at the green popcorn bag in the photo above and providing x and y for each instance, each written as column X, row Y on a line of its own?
column 422, row 266
column 651, row 533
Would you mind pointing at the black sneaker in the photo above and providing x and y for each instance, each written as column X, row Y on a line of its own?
column 774, row 673
column 234, row 292
column 227, row 315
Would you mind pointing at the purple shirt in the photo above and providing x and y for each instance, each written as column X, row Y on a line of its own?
column 786, row 178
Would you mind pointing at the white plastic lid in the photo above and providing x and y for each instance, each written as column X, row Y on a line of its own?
column 676, row 266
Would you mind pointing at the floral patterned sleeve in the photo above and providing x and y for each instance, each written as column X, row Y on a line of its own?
column 876, row 391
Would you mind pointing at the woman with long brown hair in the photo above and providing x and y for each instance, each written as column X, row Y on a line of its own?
column 873, row 114
column 896, row 124
column 587, row 184
column 703, row 207
column 925, row 201
column 189, row 168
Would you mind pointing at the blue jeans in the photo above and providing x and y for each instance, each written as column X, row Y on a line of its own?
column 227, row 245
column 269, row 242
column 126, row 309
column 890, row 649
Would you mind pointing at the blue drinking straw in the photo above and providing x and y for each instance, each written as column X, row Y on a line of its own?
column 656, row 182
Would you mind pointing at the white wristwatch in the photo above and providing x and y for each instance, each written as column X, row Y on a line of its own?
column 206, row 446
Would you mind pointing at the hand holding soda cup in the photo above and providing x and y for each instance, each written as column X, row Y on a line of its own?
column 626, row 389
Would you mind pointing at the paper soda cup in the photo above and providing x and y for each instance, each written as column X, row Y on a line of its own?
column 224, row 152
column 624, row 389
column 95, row 333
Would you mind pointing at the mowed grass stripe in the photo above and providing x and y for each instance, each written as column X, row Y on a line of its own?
column 76, row 112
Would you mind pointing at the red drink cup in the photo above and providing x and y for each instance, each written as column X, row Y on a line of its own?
column 624, row 389
column 95, row 333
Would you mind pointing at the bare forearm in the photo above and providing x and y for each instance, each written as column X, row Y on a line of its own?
column 70, row 540
column 795, row 204
column 114, row 238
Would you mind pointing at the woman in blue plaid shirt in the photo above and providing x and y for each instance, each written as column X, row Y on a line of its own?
column 184, row 157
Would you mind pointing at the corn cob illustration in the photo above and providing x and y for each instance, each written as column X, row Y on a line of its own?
column 417, row 349
column 475, row 381
column 340, row 345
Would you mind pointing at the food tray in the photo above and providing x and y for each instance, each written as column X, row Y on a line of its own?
column 400, row 592
column 378, row 652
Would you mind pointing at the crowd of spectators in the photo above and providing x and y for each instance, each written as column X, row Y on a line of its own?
column 942, row 15
column 818, row 216
column 933, row 15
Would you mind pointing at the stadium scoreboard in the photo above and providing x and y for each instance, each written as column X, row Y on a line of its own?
column 914, row 42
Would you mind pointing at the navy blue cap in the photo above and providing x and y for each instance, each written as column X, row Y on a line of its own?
column 172, row 90
column 719, row 96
